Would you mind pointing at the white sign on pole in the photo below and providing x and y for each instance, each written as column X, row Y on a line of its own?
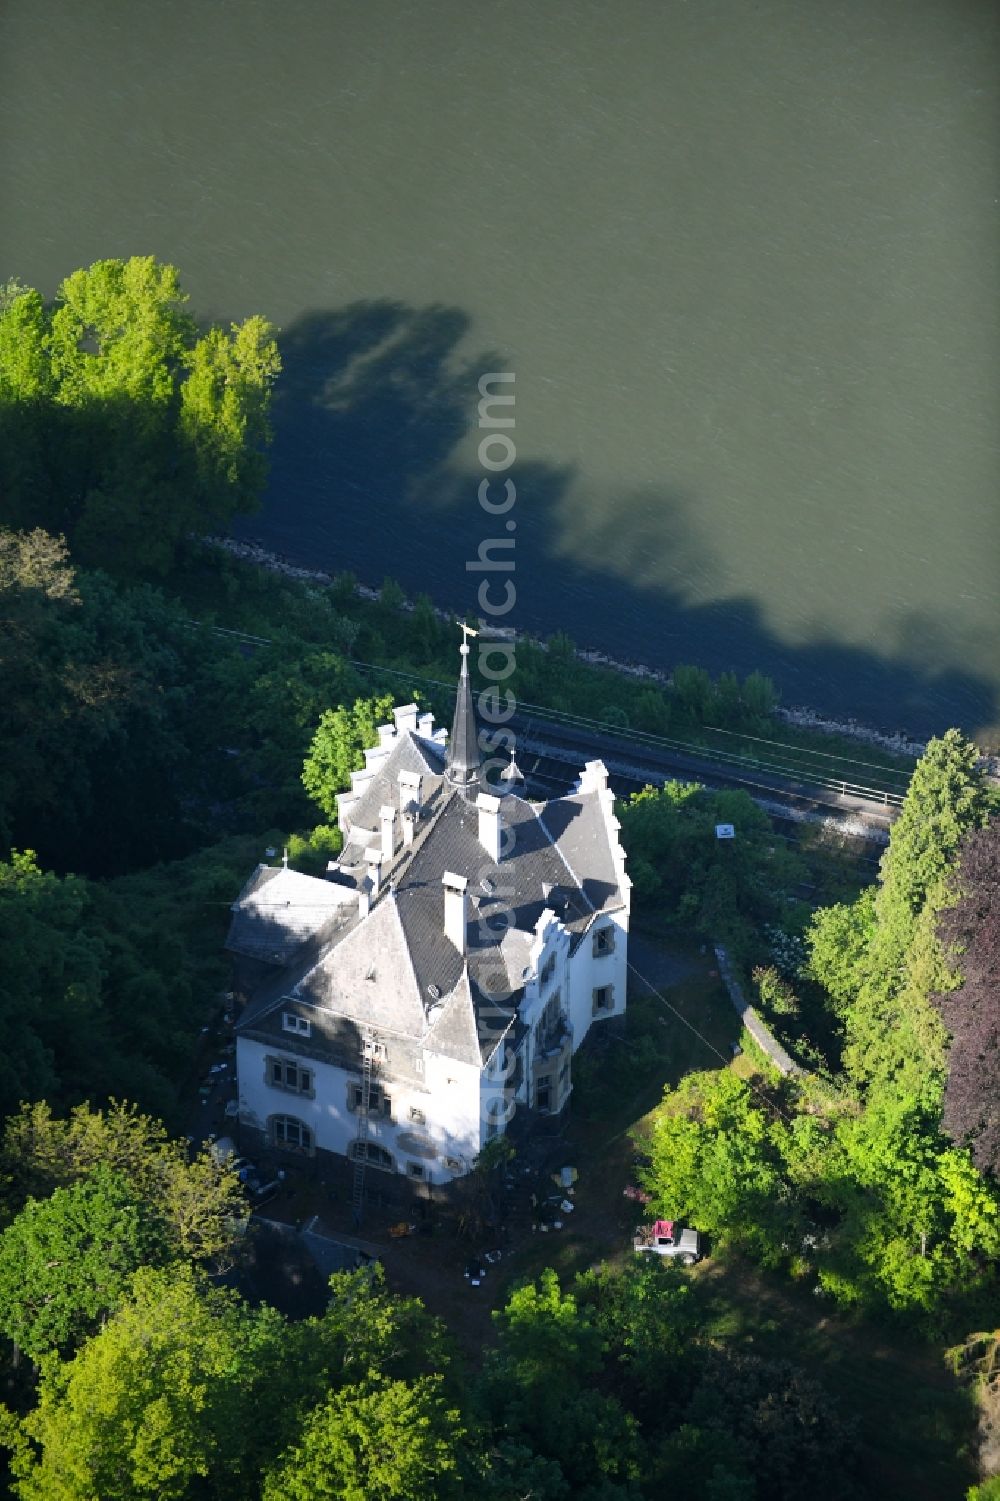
column 725, row 831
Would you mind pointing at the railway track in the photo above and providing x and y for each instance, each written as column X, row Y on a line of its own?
column 796, row 783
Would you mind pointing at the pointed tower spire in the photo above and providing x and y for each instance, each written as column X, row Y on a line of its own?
column 462, row 768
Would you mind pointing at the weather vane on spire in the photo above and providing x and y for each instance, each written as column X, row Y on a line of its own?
column 467, row 632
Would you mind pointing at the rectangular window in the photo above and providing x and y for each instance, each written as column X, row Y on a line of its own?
column 379, row 1102
column 283, row 1074
column 294, row 1023
column 544, row 1097
column 548, row 969
column 417, row 1116
column 418, row 1065
column 604, row 999
column 453, row 1165
column 604, row 942
column 416, row 1170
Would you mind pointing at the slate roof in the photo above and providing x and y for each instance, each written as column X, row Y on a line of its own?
column 366, row 976
column 394, row 968
column 278, row 910
column 576, row 825
column 410, row 752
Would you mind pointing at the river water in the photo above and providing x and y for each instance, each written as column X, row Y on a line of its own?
column 741, row 258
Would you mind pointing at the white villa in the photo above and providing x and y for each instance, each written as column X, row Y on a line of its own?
column 399, row 1012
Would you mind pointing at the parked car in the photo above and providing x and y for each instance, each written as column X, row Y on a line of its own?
column 665, row 1238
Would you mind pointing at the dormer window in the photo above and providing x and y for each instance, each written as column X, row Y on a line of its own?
column 291, row 1022
column 604, row 941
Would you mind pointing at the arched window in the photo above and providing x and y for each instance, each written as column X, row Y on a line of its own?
column 373, row 1154
column 291, row 1134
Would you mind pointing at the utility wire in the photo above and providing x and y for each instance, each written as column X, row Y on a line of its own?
column 644, row 736
column 658, row 995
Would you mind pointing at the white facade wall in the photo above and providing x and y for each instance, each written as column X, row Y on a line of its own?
column 588, row 974
column 456, row 1126
column 449, row 1099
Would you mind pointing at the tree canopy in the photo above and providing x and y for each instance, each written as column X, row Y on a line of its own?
column 970, row 931
column 122, row 426
column 66, row 1261
column 724, row 889
column 338, row 747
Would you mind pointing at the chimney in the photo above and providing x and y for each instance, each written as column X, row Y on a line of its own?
column 594, row 777
column 386, row 735
column 409, row 788
column 405, row 716
column 373, row 859
column 425, row 726
column 364, row 897
column 489, row 825
column 454, row 909
column 388, row 817
column 408, row 827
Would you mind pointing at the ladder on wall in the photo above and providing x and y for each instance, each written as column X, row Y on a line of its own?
column 361, row 1145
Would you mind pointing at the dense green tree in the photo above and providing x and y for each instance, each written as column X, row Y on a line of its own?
column 881, row 960
column 162, row 1403
column 913, row 1219
column 66, row 1261
column 718, row 1163
column 130, row 430
column 648, row 1317
column 970, row 933
column 367, row 1329
column 759, row 696
column 989, row 1490
column 725, row 889
column 224, row 415
column 338, row 747
column 198, row 1204
column 93, row 686
column 93, row 992
column 50, row 1007
column 539, row 1390
column 383, row 1441
column 946, row 797
column 692, row 688
column 790, row 1436
column 838, row 939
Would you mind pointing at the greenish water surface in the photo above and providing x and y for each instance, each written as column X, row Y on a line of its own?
column 741, row 257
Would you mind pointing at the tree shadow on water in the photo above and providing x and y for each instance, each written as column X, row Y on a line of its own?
column 374, row 470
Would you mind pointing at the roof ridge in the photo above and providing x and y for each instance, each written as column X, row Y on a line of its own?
column 250, row 884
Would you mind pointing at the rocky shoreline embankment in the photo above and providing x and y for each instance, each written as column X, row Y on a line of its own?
column 794, row 714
